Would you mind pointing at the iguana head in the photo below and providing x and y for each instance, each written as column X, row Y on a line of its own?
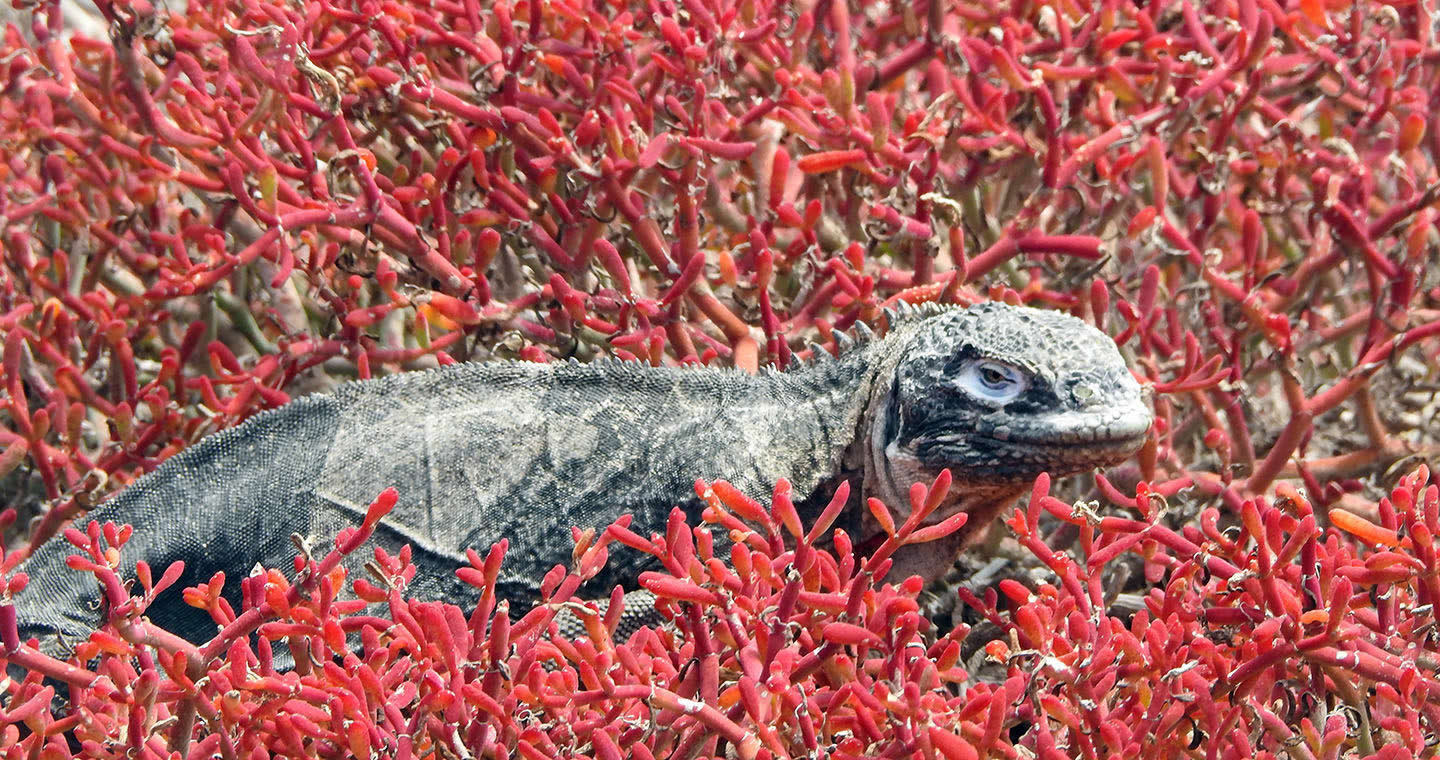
column 999, row 394
column 1003, row 393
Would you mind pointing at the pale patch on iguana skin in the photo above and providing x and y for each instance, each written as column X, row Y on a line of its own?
column 524, row 451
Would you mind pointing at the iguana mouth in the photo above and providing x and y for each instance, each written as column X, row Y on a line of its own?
column 1073, row 429
column 1110, row 437
column 1124, row 440
column 1117, row 447
column 1009, row 459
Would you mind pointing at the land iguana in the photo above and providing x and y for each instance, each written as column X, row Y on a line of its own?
column 519, row 450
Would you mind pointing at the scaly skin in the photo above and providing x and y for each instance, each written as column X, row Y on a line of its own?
column 524, row 451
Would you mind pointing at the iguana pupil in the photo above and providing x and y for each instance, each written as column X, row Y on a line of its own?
column 994, row 377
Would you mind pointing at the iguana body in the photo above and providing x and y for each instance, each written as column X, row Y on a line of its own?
column 524, row 451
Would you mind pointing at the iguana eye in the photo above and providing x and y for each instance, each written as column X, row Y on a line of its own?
column 993, row 381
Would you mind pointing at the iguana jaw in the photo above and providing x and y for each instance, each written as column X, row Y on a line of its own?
column 1002, row 450
column 999, row 455
column 1044, row 430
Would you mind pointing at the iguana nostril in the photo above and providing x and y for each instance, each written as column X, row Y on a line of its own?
column 1083, row 393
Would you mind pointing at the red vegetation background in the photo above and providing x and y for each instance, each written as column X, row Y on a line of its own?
column 218, row 208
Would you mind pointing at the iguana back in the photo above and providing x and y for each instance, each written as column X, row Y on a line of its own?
column 478, row 452
column 523, row 451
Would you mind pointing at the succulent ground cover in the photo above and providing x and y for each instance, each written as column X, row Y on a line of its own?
column 223, row 206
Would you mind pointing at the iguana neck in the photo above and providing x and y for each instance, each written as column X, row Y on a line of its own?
column 805, row 424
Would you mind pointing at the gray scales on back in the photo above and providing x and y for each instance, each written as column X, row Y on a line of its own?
column 485, row 451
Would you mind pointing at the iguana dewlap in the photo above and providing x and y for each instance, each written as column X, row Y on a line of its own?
column 485, row 451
